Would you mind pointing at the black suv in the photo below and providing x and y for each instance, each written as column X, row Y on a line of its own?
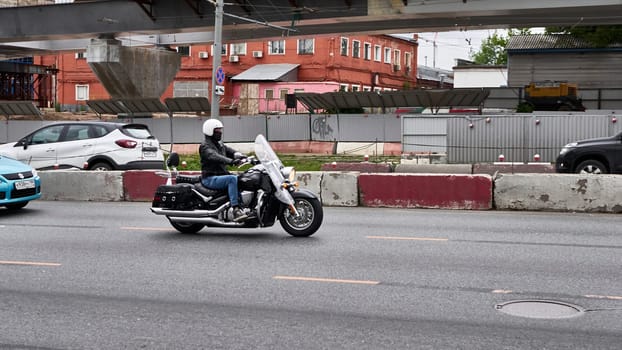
column 594, row 156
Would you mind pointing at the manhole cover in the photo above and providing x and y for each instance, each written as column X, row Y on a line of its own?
column 540, row 309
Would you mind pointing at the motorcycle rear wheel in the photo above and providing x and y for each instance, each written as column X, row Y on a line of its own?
column 186, row 227
column 307, row 222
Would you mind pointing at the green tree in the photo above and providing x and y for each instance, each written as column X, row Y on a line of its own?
column 599, row 36
column 493, row 49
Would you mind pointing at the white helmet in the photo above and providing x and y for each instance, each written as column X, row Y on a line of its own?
column 210, row 125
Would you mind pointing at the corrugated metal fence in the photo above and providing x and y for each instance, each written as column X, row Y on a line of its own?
column 465, row 139
column 280, row 127
column 482, row 138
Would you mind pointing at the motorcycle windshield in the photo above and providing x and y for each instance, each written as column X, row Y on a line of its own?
column 273, row 165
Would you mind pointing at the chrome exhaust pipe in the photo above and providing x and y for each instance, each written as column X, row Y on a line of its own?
column 188, row 213
column 207, row 221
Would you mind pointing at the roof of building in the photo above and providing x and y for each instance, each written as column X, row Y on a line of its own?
column 550, row 42
column 435, row 74
column 434, row 98
column 267, row 72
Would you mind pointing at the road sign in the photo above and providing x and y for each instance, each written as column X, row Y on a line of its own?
column 220, row 76
column 220, row 90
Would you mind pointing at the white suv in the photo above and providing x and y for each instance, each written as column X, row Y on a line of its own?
column 88, row 145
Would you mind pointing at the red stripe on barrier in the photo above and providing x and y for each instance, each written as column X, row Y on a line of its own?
column 426, row 191
column 140, row 185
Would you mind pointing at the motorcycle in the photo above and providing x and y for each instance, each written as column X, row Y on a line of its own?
column 268, row 191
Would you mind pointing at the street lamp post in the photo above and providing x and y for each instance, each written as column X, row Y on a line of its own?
column 217, row 59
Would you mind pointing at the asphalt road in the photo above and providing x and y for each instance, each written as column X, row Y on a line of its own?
column 86, row 275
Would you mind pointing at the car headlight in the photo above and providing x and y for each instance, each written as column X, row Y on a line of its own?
column 567, row 148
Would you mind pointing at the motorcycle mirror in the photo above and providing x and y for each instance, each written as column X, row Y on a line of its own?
column 172, row 160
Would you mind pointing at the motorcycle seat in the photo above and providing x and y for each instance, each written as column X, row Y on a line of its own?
column 188, row 179
column 206, row 191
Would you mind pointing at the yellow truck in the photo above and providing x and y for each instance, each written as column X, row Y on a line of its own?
column 553, row 96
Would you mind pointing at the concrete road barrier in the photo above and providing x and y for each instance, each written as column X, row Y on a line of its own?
column 557, row 192
column 76, row 185
column 513, row 168
column 426, row 191
column 340, row 189
column 140, row 185
column 535, row 192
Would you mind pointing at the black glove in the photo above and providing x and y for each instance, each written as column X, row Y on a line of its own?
column 238, row 161
column 239, row 155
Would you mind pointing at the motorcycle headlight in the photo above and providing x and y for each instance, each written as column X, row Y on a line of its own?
column 289, row 173
column 567, row 148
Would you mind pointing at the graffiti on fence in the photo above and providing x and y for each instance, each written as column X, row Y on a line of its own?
column 322, row 128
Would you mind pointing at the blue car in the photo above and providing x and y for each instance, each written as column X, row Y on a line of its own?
column 19, row 183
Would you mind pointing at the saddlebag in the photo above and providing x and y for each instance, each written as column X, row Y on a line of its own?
column 178, row 197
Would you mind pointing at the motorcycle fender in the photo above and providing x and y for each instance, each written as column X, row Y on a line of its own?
column 304, row 193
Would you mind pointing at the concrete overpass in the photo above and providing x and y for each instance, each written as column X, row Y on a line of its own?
column 176, row 22
column 109, row 29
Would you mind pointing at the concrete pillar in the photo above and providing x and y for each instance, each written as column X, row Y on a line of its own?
column 132, row 72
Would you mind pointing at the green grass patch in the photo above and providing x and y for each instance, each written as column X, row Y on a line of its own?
column 302, row 162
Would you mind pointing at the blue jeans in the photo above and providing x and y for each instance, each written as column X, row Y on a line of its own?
column 220, row 182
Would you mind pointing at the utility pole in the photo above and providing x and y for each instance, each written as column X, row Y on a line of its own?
column 217, row 59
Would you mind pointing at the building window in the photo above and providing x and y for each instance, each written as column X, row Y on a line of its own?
column 377, row 53
column 356, row 49
column 82, row 92
column 306, row 46
column 276, row 47
column 183, row 50
column 396, row 57
column 408, row 60
column 387, row 55
column 366, row 88
column 343, row 87
column 238, row 49
column 80, row 55
column 269, row 94
column 223, row 50
column 367, row 51
column 344, row 46
column 283, row 93
column 299, row 91
column 355, row 88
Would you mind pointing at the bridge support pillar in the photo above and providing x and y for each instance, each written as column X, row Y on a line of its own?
column 132, row 72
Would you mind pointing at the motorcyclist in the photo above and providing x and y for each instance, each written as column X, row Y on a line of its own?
column 215, row 156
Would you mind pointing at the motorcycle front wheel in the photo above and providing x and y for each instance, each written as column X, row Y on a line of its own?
column 308, row 220
column 186, row 227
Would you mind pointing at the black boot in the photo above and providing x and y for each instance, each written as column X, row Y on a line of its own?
column 239, row 214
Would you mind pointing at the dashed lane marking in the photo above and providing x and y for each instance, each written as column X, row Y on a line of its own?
column 409, row 238
column 326, row 280
column 28, row 263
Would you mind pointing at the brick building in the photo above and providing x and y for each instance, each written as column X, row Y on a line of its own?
column 318, row 64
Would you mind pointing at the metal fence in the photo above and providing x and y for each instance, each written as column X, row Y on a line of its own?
column 518, row 137
column 463, row 138
column 281, row 127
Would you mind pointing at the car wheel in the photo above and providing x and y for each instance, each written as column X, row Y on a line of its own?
column 101, row 166
column 16, row 206
column 591, row 167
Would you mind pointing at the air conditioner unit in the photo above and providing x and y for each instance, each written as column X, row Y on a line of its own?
column 234, row 58
column 257, row 54
column 203, row 54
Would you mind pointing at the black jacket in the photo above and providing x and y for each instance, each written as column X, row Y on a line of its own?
column 215, row 156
